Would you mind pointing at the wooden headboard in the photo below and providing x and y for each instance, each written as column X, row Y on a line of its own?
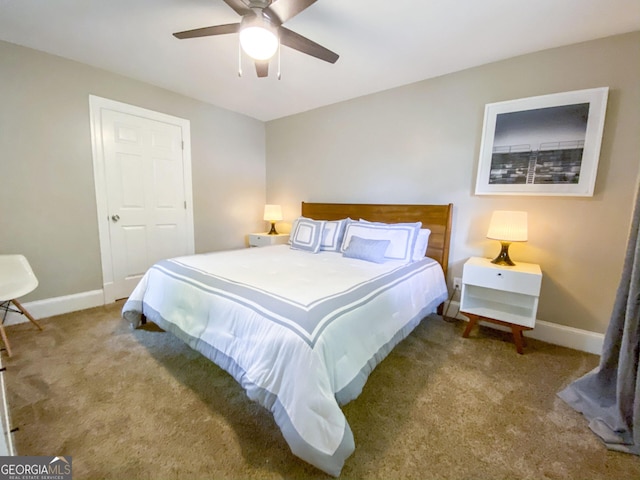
column 437, row 218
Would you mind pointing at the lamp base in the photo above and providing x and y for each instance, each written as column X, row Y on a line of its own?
column 503, row 256
column 273, row 229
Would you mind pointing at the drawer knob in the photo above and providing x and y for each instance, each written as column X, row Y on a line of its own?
column 499, row 274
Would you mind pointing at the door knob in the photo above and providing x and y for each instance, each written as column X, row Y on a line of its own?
column 115, row 218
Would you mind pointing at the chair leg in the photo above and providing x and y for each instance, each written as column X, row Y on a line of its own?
column 3, row 333
column 26, row 313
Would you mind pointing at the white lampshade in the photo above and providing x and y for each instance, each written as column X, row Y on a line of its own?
column 508, row 226
column 258, row 38
column 272, row 213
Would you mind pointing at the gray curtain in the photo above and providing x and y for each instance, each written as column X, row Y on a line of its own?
column 609, row 396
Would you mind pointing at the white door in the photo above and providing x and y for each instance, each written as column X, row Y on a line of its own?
column 146, row 198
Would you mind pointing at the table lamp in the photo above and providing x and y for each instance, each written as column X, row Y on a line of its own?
column 507, row 227
column 273, row 214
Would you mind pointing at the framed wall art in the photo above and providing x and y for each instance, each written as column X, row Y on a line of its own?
column 546, row 145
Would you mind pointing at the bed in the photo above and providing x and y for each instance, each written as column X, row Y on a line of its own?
column 301, row 330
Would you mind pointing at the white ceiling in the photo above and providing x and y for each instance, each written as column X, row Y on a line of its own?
column 382, row 43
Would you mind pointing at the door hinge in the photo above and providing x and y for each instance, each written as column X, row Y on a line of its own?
column 185, row 204
column 182, row 144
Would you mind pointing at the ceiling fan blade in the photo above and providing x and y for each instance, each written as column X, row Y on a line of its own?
column 208, row 31
column 286, row 9
column 262, row 68
column 238, row 6
column 296, row 41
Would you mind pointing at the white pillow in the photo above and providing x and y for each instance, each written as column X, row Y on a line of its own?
column 422, row 242
column 332, row 235
column 294, row 224
column 307, row 235
column 402, row 237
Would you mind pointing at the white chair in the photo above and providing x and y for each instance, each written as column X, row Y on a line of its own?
column 16, row 279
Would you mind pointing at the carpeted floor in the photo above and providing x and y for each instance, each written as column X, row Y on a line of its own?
column 141, row 405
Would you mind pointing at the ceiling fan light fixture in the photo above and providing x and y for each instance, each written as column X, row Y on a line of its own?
column 258, row 38
column 261, row 32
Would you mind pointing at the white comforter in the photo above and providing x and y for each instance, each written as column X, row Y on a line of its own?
column 299, row 331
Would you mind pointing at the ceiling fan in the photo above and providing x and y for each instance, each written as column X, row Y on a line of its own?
column 261, row 31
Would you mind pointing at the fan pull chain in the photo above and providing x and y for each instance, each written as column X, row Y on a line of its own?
column 239, row 59
column 279, row 75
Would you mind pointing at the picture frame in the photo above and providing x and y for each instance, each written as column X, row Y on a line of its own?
column 544, row 145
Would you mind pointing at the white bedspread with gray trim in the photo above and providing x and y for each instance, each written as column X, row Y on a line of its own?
column 299, row 331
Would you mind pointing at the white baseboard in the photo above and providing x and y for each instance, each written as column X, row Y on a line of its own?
column 57, row 306
column 554, row 333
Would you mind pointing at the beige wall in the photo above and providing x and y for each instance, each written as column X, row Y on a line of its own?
column 47, row 198
column 412, row 144
column 420, row 144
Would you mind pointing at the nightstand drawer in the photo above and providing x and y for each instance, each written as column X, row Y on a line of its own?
column 264, row 239
column 260, row 240
column 501, row 278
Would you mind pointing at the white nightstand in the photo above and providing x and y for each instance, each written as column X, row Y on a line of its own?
column 499, row 294
column 264, row 239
